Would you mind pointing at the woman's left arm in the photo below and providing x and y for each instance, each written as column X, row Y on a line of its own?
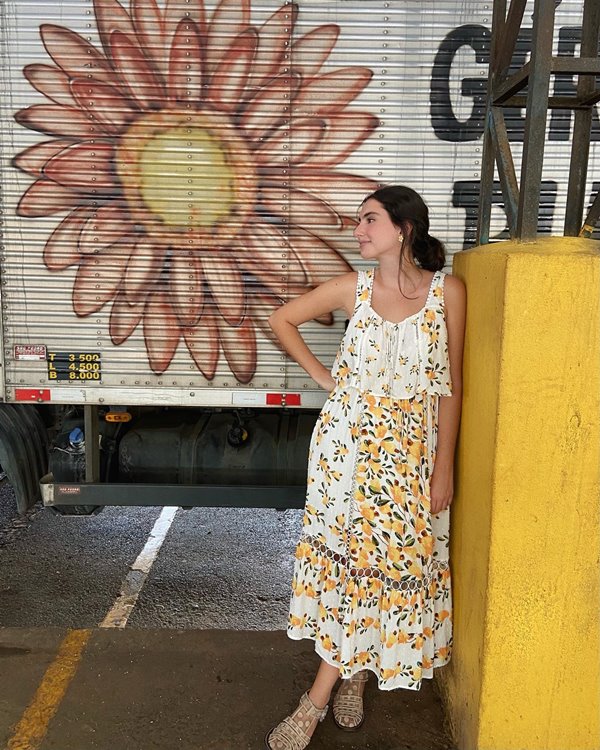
column 442, row 478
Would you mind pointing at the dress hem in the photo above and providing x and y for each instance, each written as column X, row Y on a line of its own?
column 326, row 656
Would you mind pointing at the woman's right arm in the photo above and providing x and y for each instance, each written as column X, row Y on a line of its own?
column 335, row 294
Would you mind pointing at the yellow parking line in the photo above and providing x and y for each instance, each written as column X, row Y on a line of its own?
column 32, row 728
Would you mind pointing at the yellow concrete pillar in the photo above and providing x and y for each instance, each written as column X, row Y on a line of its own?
column 525, row 671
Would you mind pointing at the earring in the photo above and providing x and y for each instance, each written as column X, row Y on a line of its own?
column 400, row 238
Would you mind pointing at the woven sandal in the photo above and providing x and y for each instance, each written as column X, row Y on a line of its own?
column 291, row 733
column 348, row 709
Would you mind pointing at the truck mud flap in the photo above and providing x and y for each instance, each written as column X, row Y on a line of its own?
column 23, row 451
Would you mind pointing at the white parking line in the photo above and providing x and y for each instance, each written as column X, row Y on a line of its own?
column 138, row 572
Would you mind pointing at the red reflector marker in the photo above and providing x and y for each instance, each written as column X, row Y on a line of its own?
column 284, row 399
column 32, row 394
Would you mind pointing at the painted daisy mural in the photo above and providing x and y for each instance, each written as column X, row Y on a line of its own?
column 193, row 162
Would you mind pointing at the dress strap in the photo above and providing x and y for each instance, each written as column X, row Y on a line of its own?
column 363, row 288
column 436, row 290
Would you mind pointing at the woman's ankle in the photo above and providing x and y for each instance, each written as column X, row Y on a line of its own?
column 319, row 700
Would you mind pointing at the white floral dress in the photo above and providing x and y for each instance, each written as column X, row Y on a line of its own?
column 371, row 579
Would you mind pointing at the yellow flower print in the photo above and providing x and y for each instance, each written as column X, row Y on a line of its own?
column 418, row 643
column 443, row 615
column 443, row 652
column 387, row 674
column 363, row 657
column 367, row 511
column 326, row 643
column 427, row 544
column 389, row 446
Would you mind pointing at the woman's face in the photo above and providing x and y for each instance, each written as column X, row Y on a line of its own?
column 377, row 235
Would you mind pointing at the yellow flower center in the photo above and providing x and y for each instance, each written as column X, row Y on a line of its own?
column 188, row 177
column 185, row 178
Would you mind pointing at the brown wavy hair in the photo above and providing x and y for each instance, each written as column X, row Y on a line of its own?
column 409, row 212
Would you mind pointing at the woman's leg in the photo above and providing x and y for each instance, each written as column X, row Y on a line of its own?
column 325, row 679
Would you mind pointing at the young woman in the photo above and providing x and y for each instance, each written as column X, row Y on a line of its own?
column 371, row 583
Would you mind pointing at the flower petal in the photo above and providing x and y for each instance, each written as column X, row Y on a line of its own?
column 202, row 342
column 270, row 259
column 271, row 106
column 161, row 331
column 299, row 208
column 345, row 132
column 85, row 166
column 185, row 63
column 54, row 120
column 124, row 318
column 52, row 82
column 177, row 11
column 105, row 226
column 99, row 277
column 62, row 249
column 74, row 54
column 291, row 144
column 45, row 198
column 229, row 79
column 319, row 260
column 311, row 50
column 149, row 28
column 331, row 92
column 103, row 103
column 275, row 37
column 226, row 285
column 185, row 286
column 143, row 270
column 33, row 159
column 239, row 346
column 343, row 192
column 141, row 81
column 230, row 18
column 111, row 16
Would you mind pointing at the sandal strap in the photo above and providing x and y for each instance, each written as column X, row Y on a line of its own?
column 313, row 711
column 361, row 676
column 290, row 733
column 349, row 705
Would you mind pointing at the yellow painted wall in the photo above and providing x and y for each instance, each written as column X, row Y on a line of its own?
column 525, row 673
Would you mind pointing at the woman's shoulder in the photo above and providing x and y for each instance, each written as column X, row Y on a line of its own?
column 453, row 284
column 455, row 292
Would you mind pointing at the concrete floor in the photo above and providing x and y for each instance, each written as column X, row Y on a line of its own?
column 203, row 662
column 195, row 690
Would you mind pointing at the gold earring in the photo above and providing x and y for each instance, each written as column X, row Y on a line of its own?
column 400, row 238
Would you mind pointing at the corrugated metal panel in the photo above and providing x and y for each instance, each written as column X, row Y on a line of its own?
column 171, row 172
